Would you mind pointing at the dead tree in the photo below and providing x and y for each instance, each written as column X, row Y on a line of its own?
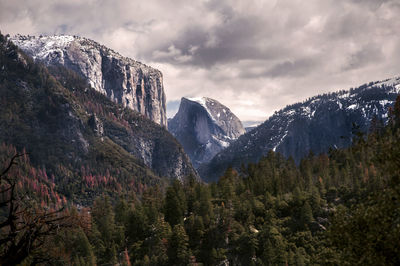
column 24, row 226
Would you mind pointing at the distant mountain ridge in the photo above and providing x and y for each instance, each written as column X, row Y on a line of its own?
column 316, row 124
column 122, row 79
column 204, row 127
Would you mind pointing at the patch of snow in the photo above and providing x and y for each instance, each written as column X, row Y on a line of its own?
column 363, row 111
column 307, row 111
column 224, row 143
column 344, row 95
column 315, row 100
column 208, row 145
column 44, row 46
column 389, row 82
column 384, row 102
column 396, row 89
column 352, row 107
column 281, row 140
column 290, row 112
column 202, row 101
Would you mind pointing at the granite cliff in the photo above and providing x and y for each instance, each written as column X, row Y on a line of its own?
column 123, row 80
column 204, row 127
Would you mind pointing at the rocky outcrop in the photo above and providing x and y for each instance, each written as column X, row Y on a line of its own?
column 318, row 124
column 96, row 125
column 204, row 127
column 122, row 79
column 154, row 146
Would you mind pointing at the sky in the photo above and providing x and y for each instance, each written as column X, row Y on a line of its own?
column 253, row 56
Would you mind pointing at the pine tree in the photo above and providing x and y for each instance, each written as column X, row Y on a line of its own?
column 121, row 212
column 178, row 246
column 105, row 230
column 174, row 208
column 306, row 214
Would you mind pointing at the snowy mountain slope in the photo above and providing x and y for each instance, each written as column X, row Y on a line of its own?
column 204, row 127
column 316, row 124
column 122, row 79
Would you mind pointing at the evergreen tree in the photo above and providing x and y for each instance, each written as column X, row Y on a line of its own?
column 104, row 230
column 178, row 246
column 175, row 204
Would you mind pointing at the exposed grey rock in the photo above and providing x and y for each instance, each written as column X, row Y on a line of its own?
column 96, row 125
column 156, row 148
column 122, row 79
column 315, row 226
column 204, row 127
column 322, row 220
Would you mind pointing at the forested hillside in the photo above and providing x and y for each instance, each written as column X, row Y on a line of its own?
column 340, row 208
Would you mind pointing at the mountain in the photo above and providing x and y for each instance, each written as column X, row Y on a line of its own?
column 123, row 80
column 317, row 124
column 204, row 127
column 249, row 128
column 80, row 138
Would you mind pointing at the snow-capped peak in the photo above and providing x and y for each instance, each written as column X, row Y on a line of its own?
column 204, row 127
column 43, row 46
column 203, row 102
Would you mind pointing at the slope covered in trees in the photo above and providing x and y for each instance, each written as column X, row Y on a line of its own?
column 340, row 208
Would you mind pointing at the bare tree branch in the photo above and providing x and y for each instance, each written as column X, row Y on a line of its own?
column 25, row 228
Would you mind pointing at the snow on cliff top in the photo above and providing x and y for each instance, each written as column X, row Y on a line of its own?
column 202, row 101
column 42, row 46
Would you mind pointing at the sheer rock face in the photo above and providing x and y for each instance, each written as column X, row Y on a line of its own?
column 317, row 124
column 204, row 127
column 122, row 79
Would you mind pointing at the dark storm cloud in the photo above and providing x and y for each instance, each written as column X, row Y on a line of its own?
column 369, row 54
column 254, row 55
column 373, row 4
column 288, row 68
column 235, row 38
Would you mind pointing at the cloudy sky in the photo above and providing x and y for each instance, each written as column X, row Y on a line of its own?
column 253, row 56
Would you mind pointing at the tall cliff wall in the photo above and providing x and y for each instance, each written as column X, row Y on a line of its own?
column 123, row 80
